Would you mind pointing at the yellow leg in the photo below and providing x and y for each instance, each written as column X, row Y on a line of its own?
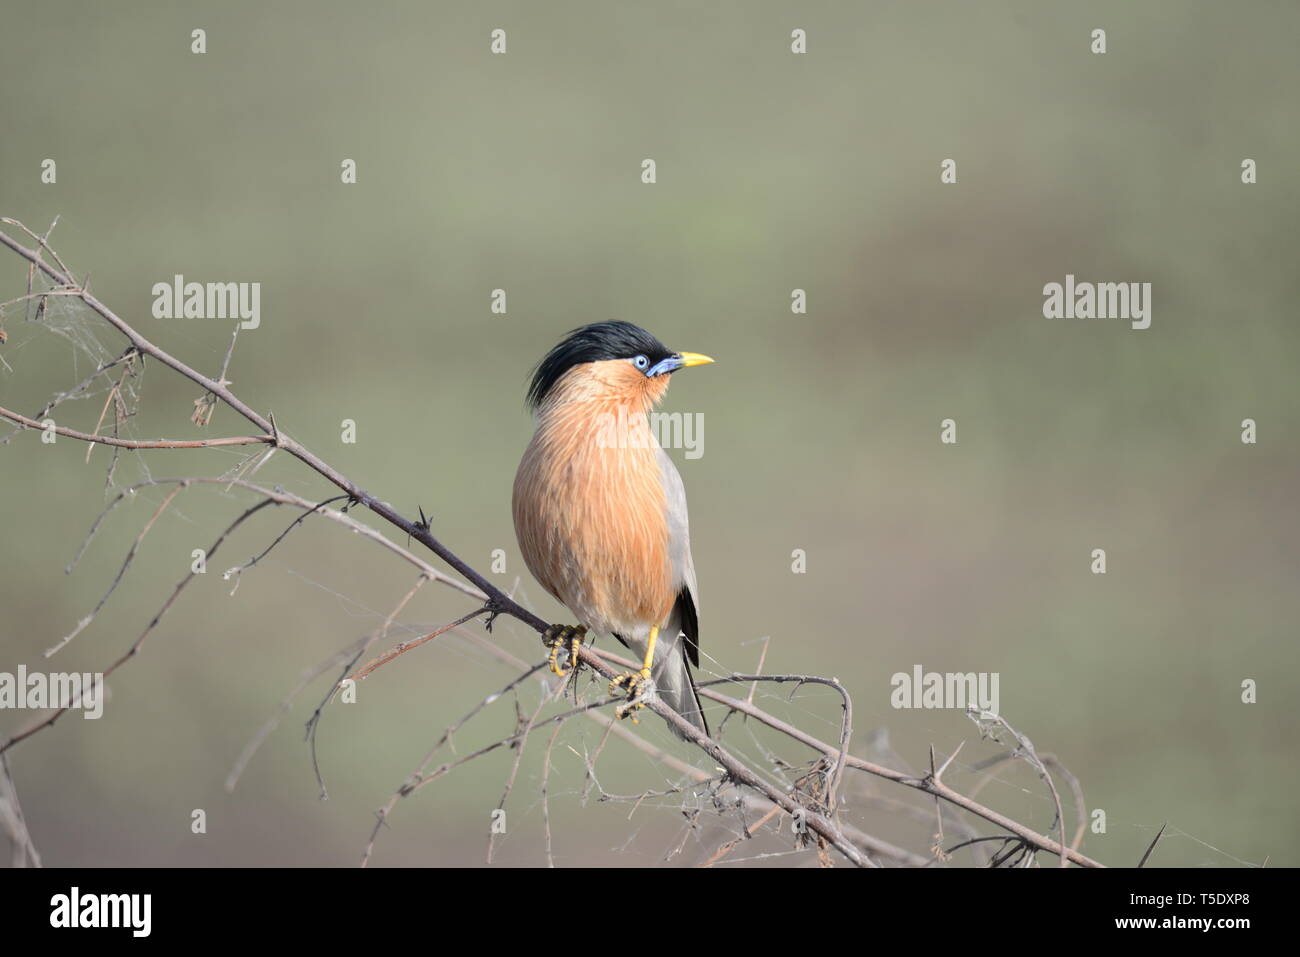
column 633, row 682
column 650, row 651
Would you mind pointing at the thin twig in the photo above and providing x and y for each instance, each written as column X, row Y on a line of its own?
column 134, row 443
column 404, row 647
column 1154, row 842
column 121, row 572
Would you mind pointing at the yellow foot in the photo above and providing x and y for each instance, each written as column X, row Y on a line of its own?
column 566, row 639
column 632, row 684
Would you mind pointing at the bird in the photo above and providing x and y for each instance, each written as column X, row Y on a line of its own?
column 600, row 512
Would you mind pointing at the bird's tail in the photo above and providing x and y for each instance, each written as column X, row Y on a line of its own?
column 676, row 687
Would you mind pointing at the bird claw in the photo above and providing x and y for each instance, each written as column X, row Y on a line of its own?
column 634, row 684
column 566, row 638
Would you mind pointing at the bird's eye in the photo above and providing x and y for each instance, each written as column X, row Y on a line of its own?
column 641, row 362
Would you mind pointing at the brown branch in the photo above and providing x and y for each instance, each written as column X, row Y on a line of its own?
column 936, row 788
column 926, row 784
column 495, row 603
column 500, row 603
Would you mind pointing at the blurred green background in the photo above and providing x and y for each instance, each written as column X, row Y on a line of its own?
column 775, row 171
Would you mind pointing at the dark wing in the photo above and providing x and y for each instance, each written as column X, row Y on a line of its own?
column 690, row 620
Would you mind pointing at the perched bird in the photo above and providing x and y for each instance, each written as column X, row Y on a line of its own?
column 600, row 510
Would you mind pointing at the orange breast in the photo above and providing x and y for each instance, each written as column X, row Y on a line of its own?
column 589, row 515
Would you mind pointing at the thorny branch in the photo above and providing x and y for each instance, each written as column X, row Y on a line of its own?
column 755, row 792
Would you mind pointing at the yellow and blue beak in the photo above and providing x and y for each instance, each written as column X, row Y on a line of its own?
column 681, row 360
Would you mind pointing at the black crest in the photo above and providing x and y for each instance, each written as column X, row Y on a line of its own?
column 594, row 343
